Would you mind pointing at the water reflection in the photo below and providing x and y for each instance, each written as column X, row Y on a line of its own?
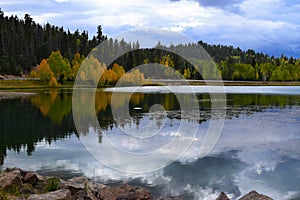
column 47, row 115
column 259, row 145
column 22, row 125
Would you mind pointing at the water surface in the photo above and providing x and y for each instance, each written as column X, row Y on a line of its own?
column 259, row 147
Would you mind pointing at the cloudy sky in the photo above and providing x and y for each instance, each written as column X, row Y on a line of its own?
column 270, row 26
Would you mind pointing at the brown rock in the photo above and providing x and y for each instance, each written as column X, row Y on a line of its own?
column 84, row 195
column 125, row 192
column 11, row 179
column 62, row 194
column 27, row 188
column 173, row 198
column 95, row 188
column 222, row 196
column 79, row 180
column 75, row 184
column 253, row 195
column 30, row 178
column 79, row 187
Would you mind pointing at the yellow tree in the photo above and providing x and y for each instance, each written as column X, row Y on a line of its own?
column 112, row 77
column 76, row 63
column 91, row 70
column 168, row 62
column 34, row 74
column 44, row 71
column 119, row 70
column 187, row 73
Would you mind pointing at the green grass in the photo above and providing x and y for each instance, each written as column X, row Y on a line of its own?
column 35, row 84
column 29, row 84
column 52, row 184
column 249, row 83
column 10, row 193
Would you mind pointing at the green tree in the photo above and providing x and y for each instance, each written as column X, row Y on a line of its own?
column 61, row 67
column 265, row 71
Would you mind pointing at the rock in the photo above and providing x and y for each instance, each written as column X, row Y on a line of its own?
column 14, row 169
column 125, row 192
column 30, row 178
column 80, row 195
column 139, row 193
column 173, row 198
column 75, row 184
column 95, row 188
column 62, row 194
column 222, row 196
column 26, row 188
column 11, row 179
column 79, row 180
column 253, row 195
column 79, row 187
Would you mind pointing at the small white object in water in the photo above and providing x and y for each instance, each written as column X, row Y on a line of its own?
column 137, row 108
column 175, row 134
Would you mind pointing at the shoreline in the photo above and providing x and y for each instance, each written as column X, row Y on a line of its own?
column 34, row 84
column 16, row 183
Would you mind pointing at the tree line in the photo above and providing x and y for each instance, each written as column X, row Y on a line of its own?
column 24, row 45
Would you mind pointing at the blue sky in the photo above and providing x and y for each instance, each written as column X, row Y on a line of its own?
column 270, row 26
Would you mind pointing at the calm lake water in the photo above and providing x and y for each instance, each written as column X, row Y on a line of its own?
column 258, row 149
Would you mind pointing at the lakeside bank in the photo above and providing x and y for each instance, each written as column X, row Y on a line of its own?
column 16, row 183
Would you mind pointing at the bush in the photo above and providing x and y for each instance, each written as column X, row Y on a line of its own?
column 52, row 184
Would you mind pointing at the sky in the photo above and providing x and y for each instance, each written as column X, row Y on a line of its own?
column 268, row 26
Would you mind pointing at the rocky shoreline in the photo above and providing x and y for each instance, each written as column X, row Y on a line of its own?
column 16, row 184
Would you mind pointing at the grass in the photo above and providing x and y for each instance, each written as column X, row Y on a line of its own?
column 248, row 83
column 10, row 193
column 52, row 184
column 226, row 83
column 36, row 84
column 29, row 84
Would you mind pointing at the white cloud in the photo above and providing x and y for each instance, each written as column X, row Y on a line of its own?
column 249, row 23
column 61, row 1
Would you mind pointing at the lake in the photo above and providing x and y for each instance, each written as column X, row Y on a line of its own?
column 258, row 147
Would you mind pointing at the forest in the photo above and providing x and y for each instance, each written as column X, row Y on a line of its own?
column 54, row 54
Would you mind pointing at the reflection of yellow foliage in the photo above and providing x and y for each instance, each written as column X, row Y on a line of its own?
column 102, row 100
column 53, row 105
column 43, row 102
column 137, row 98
